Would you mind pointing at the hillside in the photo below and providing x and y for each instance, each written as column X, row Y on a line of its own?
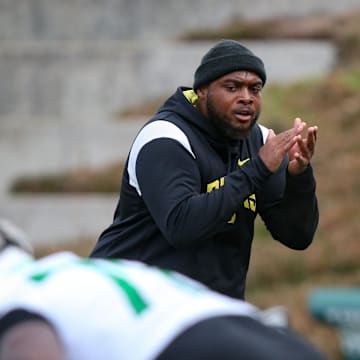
column 278, row 275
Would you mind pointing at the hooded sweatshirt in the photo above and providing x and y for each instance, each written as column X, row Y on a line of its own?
column 189, row 199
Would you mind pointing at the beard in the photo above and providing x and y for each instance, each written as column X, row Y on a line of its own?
column 222, row 122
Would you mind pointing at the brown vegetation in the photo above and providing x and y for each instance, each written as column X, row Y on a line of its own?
column 318, row 26
column 278, row 275
column 82, row 180
column 281, row 276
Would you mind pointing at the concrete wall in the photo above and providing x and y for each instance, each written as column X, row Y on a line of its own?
column 84, row 20
column 89, row 80
column 86, row 59
column 85, row 82
column 67, row 65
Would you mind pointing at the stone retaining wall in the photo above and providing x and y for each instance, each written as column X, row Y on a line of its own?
column 94, row 20
column 87, row 82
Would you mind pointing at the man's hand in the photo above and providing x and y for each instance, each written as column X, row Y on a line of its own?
column 299, row 150
column 273, row 152
column 302, row 151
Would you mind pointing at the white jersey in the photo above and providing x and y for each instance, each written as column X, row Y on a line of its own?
column 112, row 309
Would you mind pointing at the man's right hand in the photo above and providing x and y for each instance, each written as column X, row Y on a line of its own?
column 273, row 152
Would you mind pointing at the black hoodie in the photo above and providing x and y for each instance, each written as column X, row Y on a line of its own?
column 189, row 199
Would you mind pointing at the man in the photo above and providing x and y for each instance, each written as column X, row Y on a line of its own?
column 66, row 307
column 24, row 335
column 200, row 171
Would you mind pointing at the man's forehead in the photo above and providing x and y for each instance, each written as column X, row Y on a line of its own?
column 242, row 76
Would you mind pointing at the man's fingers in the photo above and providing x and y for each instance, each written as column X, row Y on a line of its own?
column 315, row 132
column 312, row 136
column 299, row 163
column 291, row 139
column 297, row 122
column 308, row 146
column 271, row 134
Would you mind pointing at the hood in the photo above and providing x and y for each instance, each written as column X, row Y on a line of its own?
column 182, row 103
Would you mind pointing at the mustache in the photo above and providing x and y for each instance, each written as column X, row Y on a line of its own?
column 244, row 110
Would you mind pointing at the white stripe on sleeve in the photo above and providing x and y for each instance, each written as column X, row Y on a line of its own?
column 265, row 132
column 155, row 130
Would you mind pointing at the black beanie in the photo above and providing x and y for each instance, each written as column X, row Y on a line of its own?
column 225, row 57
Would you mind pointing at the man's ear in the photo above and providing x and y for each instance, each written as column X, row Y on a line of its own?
column 202, row 91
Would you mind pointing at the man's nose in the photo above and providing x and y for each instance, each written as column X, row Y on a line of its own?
column 245, row 96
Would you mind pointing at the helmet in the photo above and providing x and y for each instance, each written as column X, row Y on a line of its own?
column 12, row 235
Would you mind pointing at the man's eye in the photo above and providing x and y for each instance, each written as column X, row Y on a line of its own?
column 256, row 89
column 231, row 88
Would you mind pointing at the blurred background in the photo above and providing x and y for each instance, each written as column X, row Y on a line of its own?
column 79, row 78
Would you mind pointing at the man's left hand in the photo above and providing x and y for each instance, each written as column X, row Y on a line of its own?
column 303, row 150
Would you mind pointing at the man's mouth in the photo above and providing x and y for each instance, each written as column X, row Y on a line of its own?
column 244, row 115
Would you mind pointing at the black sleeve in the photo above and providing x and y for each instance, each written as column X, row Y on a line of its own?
column 170, row 184
column 293, row 221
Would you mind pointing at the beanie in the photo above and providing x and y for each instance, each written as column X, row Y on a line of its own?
column 225, row 57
